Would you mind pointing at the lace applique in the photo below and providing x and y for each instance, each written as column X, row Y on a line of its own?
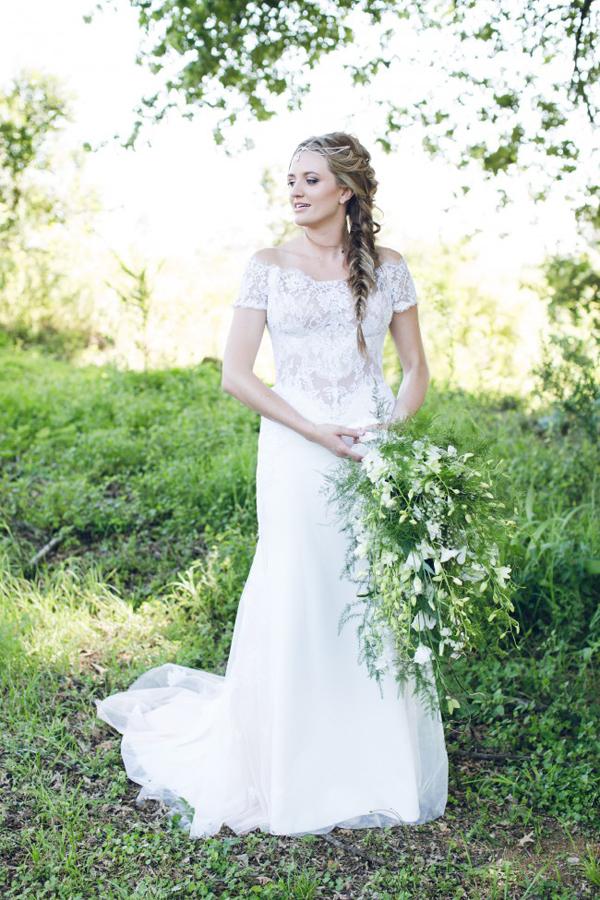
column 312, row 325
column 253, row 289
column 401, row 286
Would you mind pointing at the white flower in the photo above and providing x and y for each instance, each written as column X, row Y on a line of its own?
column 368, row 436
column 451, row 450
column 361, row 551
column 375, row 465
column 422, row 621
column 413, row 560
column 386, row 496
column 388, row 558
column 417, row 585
column 447, row 553
column 502, row 572
column 422, row 654
column 426, row 549
column 434, row 530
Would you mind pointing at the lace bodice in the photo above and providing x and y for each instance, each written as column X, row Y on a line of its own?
column 313, row 329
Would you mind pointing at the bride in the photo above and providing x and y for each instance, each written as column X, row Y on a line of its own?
column 296, row 738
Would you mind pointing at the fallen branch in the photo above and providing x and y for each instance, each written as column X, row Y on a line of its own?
column 45, row 549
column 351, row 848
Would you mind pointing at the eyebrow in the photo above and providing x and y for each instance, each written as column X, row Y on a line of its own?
column 310, row 172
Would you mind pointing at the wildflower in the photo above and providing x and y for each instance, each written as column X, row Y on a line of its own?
column 361, row 551
column 422, row 654
column 388, row 558
column 422, row 620
column 413, row 560
column 434, row 529
column 502, row 572
column 447, row 553
column 374, row 464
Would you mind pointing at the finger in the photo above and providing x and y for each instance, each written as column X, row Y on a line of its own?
column 353, row 432
column 355, row 456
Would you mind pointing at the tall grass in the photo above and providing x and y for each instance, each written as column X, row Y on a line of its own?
column 147, row 480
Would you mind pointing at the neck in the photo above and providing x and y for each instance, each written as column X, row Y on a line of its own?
column 327, row 240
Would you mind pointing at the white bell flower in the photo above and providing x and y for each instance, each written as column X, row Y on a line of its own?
column 422, row 654
column 422, row 621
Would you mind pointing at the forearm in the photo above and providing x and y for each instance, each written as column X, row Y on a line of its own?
column 412, row 392
column 255, row 394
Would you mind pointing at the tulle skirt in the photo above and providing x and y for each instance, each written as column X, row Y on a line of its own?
column 295, row 738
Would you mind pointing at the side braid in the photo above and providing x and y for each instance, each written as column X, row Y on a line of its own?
column 361, row 257
column 351, row 165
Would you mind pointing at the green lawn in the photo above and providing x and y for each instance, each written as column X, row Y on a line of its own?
column 139, row 488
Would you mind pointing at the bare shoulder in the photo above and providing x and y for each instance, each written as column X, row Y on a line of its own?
column 267, row 255
column 387, row 254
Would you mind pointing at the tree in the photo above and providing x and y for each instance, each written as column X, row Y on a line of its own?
column 39, row 302
column 525, row 73
column 32, row 108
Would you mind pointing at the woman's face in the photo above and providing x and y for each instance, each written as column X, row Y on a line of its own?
column 314, row 192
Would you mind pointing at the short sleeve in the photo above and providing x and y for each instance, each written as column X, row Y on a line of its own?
column 253, row 293
column 401, row 286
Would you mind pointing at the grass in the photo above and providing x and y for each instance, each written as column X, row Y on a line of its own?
column 148, row 480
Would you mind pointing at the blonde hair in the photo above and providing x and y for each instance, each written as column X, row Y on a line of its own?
column 350, row 163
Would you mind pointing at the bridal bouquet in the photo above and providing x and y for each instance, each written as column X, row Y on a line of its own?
column 423, row 520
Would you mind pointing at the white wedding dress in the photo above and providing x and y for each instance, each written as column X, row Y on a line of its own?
column 295, row 738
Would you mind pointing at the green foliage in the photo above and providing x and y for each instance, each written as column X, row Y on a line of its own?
column 32, row 108
column 569, row 370
column 499, row 67
column 429, row 527
column 123, row 468
column 137, row 298
column 541, row 706
column 39, row 303
column 523, row 747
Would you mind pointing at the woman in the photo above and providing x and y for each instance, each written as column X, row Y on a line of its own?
column 296, row 738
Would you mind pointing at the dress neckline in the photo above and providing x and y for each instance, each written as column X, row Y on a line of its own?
column 385, row 262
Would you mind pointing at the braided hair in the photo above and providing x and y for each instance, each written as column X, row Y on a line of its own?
column 350, row 163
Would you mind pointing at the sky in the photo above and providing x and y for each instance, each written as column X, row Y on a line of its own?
column 180, row 197
column 183, row 191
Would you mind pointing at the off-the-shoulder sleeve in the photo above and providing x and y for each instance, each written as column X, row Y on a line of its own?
column 401, row 286
column 253, row 292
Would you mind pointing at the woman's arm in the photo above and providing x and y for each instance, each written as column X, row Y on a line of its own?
column 239, row 380
column 406, row 335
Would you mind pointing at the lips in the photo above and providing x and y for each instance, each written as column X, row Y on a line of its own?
column 299, row 206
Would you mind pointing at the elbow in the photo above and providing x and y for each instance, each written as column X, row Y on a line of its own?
column 226, row 378
column 417, row 370
column 231, row 381
column 226, row 383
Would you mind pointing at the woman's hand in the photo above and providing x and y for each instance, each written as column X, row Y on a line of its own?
column 335, row 438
